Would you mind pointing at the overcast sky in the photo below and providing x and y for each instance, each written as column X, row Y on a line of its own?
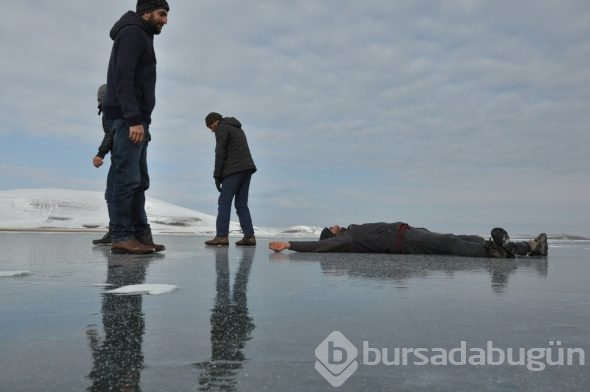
column 451, row 115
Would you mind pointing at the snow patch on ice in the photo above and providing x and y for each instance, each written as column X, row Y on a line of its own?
column 153, row 289
column 8, row 274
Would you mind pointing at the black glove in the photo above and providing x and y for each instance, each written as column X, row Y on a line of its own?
column 218, row 183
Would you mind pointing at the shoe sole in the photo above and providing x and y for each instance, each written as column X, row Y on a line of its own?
column 220, row 245
column 500, row 236
column 495, row 251
column 544, row 251
column 109, row 244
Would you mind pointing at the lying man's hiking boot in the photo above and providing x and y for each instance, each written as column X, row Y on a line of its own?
column 501, row 238
column 218, row 241
column 147, row 239
column 247, row 241
column 131, row 247
column 105, row 240
column 539, row 245
column 495, row 250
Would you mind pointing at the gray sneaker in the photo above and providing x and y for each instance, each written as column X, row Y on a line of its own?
column 105, row 240
column 539, row 245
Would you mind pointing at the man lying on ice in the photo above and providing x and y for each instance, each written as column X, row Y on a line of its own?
column 401, row 238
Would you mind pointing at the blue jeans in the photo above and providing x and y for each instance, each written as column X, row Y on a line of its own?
column 129, row 179
column 238, row 185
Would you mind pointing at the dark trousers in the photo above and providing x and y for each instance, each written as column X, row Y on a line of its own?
column 108, row 194
column 235, row 185
column 129, row 179
column 107, row 126
column 422, row 241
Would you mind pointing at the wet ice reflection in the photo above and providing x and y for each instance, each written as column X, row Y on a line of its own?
column 231, row 325
column 117, row 355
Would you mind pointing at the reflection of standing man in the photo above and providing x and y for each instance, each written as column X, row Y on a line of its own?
column 118, row 357
column 233, row 171
column 230, row 324
column 128, row 103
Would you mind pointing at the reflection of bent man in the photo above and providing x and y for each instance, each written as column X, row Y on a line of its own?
column 401, row 238
column 231, row 324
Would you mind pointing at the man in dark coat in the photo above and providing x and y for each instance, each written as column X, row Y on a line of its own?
column 401, row 238
column 105, row 147
column 233, row 171
column 128, row 104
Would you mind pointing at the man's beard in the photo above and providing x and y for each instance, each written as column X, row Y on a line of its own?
column 157, row 29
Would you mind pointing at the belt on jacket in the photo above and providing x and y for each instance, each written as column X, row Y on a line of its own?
column 399, row 238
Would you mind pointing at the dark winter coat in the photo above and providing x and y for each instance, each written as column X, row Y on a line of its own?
column 366, row 238
column 232, row 153
column 107, row 142
column 132, row 71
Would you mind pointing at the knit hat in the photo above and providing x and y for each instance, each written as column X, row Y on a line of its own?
column 144, row 6
column 212, row 117
column 326, row 233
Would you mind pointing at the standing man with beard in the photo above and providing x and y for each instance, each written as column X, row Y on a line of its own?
column 128, row 104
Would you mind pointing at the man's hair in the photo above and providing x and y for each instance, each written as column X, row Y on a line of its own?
column 212, row 117
column 326, row 233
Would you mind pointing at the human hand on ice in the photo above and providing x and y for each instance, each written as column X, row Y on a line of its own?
column 279, row 246
column 97, row 161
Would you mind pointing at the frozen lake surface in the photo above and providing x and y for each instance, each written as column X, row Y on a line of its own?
column 251, row 320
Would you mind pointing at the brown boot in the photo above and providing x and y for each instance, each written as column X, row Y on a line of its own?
column 247, row 241
column 131, row 247
column 218, row 241
column 147, row 239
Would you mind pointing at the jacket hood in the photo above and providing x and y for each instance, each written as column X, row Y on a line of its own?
column 130, row 19
column 231, row 121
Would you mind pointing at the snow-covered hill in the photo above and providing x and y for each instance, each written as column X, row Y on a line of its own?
column 22, row 209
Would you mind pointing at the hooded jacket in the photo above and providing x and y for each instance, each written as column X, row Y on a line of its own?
column 366, row 238
column 232, row 153
column 132, row 71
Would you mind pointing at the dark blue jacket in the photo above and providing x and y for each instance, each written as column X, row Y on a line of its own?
column 132, row 71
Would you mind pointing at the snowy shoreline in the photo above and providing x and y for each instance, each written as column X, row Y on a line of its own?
column 73, row 211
